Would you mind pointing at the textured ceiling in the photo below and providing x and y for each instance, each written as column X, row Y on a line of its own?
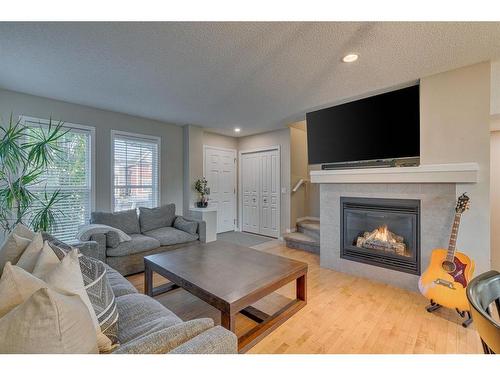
column 256, row 76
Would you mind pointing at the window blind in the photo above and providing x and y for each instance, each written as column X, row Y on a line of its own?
column 135, row 172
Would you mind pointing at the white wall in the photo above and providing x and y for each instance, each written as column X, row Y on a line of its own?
column 282, row 138
column 104, row 121
column 455, row 122
column 495, row 198
column 218, row 140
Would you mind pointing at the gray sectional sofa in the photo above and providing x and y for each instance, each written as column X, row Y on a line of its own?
column 153, row 231
column 147, row 327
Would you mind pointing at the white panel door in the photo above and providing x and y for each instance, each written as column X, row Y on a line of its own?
column 260, row 175
column 250, row 173
column 219, row 170
column 270, row 186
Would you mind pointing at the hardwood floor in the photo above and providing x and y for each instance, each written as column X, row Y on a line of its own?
column 344, row 314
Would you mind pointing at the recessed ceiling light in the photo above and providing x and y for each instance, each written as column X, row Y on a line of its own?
column 350, row 58
column 237, row 130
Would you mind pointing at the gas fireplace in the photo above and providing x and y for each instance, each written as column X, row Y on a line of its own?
column 381, row 232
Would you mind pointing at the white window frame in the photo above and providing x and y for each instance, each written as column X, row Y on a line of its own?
column 145, row 137
column 84, row 128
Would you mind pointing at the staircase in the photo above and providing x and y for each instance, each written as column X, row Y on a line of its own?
column 306, row 237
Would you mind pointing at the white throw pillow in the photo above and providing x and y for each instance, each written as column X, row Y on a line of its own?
column 16, row 286
column 67, row 276
column 23, row 231
column 46, row 261
column 29, row 257
column 48, row 322
column 12, row 248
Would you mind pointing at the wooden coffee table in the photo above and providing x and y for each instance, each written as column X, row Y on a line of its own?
column 230, row 278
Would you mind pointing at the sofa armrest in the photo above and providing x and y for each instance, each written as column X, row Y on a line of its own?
column 216, row 340
column 95, row 248
column 89, row 248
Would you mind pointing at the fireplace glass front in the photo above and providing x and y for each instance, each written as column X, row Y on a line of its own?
column 381, row 232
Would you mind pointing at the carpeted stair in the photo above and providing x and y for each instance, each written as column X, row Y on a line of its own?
column 306, row 237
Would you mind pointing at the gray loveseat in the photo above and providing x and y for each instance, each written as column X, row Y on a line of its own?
column 147, row 327
column 153, row 231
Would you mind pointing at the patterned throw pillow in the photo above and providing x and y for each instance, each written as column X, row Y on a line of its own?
column 97, row 286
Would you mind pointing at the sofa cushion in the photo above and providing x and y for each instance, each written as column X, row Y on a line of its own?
column 188, row 226
column 171, row 236
column 153, row 218
column 166, row 339
column 126, row 221
column 120, row 285
column 140, row 315
column 137, row 244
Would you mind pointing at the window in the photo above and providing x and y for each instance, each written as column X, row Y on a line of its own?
column 135, row 170
column 71, row 174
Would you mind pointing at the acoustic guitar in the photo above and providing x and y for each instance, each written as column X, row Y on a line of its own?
column 449, row 271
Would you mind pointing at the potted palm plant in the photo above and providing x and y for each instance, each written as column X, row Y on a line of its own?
column 25, row 154
column 201, row 186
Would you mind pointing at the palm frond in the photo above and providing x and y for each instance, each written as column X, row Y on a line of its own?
column 43, row 145
column 47, row 216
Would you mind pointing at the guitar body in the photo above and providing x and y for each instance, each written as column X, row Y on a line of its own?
column 447, row 286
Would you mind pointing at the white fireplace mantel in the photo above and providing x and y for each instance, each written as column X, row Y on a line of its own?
column 426, row 173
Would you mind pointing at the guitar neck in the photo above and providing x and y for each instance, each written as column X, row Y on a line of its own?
column 453, row 238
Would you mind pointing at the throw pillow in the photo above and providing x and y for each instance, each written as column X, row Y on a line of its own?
column 30, row 255
column 99, row 291
column 16, row 286
column 23, row 231
column 187, row 226
column 46, row 261
column 48, row 322
column 127, row 221
column 12, row 248
column 154, row 218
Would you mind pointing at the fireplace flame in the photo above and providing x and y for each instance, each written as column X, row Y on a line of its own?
column 382, row 234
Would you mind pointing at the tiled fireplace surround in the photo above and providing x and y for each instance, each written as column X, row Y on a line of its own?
column 437, row 211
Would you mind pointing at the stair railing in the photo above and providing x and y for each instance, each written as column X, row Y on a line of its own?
column 299, row 183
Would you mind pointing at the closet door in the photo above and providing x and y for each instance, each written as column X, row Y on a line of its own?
column 269, row 193
column 250, row 186
column 260, row 186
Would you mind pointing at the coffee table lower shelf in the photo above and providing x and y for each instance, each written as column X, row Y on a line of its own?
column 266, row 323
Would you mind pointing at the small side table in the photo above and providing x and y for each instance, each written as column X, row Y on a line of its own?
column 209, row 216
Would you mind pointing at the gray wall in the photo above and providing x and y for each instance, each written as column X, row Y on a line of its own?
column 171, row 158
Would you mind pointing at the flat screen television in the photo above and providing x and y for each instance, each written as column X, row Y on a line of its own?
column 380, row 127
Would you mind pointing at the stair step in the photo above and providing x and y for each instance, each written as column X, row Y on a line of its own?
column 302, row 241
column 310, row 228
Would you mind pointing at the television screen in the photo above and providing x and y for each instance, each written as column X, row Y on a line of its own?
column 385, row 126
